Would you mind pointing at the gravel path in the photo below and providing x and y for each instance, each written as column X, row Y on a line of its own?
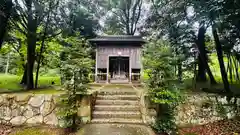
column 115, row 129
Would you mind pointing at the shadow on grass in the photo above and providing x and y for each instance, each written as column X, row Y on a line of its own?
column 40, row 90
column 209, row 88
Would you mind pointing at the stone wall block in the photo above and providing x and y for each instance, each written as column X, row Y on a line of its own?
column 51, row 119
column 85, row 101
column 36, row 111
column 84, row 111
column 46, row 108
column 1, row 100
column 48, row 98
column 35, row 120
column 23, row 98
column 6, row 112
column 19, row 120
column 36, row 101
column 55, row 99
column 16, row 112
column 29, row 112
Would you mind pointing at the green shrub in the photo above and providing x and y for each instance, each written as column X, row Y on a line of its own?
column 75, row 71
column 161, row 82
column 165, row 123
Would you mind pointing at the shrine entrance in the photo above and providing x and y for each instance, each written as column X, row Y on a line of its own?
column 119, row 68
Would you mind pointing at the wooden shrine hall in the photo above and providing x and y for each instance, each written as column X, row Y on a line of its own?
column 118, row 58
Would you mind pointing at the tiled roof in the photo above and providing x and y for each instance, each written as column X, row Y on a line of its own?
column 114, row 38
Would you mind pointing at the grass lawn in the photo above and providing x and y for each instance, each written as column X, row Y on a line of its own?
column 10, row 83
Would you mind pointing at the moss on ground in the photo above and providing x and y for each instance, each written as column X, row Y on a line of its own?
column 31, row 131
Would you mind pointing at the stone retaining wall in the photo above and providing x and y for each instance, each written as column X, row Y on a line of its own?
column 86, row 104
column 196, row 109
column 21, row 109
column 202, row 108
column 148, row 110
column 29, row 109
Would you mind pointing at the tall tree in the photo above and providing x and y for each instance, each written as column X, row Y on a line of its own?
column 127, row 14
column 177, row 20
column 5, row 10
column 31, row 14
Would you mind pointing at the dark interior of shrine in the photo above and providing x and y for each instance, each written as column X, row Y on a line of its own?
column 119, row 67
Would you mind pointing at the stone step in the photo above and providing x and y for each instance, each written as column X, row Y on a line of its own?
column 116, row 108
column 117, row 120
column 117, row 92
column 118, row 97
column 117, row 114
column 116, row 102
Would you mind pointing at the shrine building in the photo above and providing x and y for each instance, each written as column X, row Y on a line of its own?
column 118, row 58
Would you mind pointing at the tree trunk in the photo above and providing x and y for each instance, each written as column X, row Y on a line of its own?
column 203, row 54
column 39, row 62
column 31, row 59
column 24, row 77
column 7, row 66
column 230, row 69
column 31, row 44
column 180, row 71
column 236, row 68
column 201, row 73
column 5, row 8
column 220, row 60
column 37, row 72
column 42, row 47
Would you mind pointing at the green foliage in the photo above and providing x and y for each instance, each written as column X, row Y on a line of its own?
column 166, row 122
column 160, row 71
column 75, row 69
column 161, row 81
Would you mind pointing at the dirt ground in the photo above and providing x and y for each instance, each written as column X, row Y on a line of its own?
column 115, row 129
column 223, row 127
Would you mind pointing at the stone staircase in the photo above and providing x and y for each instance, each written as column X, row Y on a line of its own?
column 117, row 106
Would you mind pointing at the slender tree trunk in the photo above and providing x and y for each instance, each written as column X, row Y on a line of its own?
column 180, row 71
column 39, row 62
column 201, row 73
column 24, row 77
column 220, row 60
column 42, row 48
column 37, row 72
column 5, row 8
column 236, row 68
column 230, row 69
column 203, row 54
column 7, row 66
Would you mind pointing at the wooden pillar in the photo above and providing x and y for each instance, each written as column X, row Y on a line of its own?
column 107, row 69
column 141, row 70
column 130, row 70
column 96, row 66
